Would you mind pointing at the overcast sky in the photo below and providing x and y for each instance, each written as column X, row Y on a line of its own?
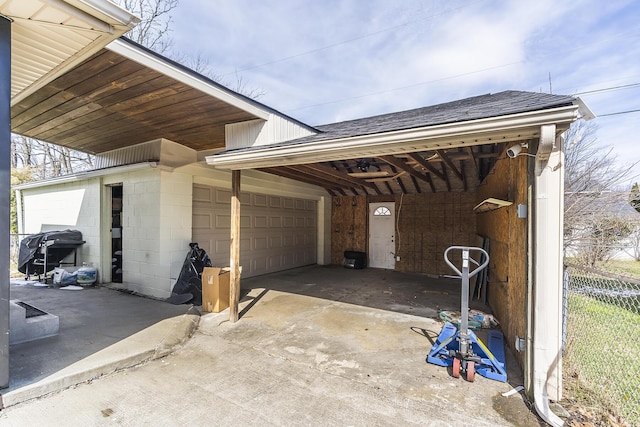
column 330, row 60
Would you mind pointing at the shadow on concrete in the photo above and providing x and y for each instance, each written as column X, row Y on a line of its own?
column 409, row 293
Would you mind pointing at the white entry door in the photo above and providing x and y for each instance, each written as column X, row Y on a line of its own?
column 382, row 235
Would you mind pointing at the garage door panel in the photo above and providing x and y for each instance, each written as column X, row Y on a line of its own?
column 275, row 242
column 260, row 221
column 276, row 232
column 260, row 200
column 202, row 195
column 202, row 220
column 260, row 243
column 275, row 222
column 275, row 201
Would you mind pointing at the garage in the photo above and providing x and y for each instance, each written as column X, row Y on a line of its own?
column 277, row 232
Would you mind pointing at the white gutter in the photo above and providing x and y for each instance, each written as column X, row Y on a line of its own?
column 110, row 10
column 545, row 341
column 86, row 175
column 140, row 56
column 475, row 132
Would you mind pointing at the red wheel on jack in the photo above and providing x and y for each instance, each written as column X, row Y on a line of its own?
column 455, row 369
column 471, row 371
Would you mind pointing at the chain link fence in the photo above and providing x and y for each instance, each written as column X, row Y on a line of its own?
column 602, row 341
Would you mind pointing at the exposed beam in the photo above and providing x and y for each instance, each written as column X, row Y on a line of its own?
column 415, row 184
column 313, row 172
column 464, row 176
column 412, row 171
column 474, row 161
column 446, row 175
column 286, row 173
column 338, row 174
column 449, row 163
column 399, row 181
column 425, row 164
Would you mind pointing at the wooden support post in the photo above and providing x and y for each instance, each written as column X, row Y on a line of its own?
column 234, row 256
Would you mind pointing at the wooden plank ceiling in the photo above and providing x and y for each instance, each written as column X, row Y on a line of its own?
column 110, row 102
column 459, row 169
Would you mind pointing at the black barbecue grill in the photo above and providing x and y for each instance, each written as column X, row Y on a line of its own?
column 41, row 253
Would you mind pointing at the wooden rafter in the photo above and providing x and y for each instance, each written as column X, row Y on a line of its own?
column 446, row 176
column 425, row 164
column 412, row 171
column 286, row 173
column 472, row 156
column 449, row 163
column 304, row 170
column 325, row 170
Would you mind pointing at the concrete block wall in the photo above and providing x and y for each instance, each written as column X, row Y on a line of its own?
column 176, row 191
column 73, row 205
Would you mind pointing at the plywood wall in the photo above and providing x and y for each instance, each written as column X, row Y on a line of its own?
column 427, row 224
column 348, row 226
column 508, row 235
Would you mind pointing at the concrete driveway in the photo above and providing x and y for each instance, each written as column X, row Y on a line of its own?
column 306, row 355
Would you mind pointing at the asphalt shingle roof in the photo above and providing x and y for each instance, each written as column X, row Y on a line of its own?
column 477, row 107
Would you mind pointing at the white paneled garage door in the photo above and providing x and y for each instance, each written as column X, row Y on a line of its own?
column 276, row 232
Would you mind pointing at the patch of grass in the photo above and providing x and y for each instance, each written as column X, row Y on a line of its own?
column 603, row 353
column 627, row 268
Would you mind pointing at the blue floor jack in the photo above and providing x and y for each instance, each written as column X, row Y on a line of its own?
column 460, row 348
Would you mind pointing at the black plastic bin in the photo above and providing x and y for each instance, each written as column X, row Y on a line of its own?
column 354, row 259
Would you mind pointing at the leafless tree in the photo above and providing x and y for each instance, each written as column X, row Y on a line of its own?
column 44, row 160
column 596, row 205
column 155, row 22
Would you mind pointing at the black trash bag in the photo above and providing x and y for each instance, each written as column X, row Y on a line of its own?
column 190, row 279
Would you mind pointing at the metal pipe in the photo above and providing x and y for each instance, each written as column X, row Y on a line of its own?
column 547, row 275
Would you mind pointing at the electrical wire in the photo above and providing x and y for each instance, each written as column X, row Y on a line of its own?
column 618, row 113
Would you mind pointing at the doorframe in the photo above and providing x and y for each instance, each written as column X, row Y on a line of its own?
column 369, row 222
column 105, row 230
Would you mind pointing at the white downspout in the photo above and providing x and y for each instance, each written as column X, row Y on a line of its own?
column 546, row 339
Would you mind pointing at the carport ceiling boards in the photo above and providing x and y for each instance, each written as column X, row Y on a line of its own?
column 458, row 169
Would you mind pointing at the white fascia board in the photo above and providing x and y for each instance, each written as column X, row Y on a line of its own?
column 86, row 175
column 140, row 56
column 475, row 132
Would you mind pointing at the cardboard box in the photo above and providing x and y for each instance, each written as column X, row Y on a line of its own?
column 215, row 289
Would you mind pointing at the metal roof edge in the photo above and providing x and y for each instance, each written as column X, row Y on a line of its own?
column 86, row 175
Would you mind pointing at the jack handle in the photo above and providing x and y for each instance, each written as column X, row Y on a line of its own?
column 465, row 259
